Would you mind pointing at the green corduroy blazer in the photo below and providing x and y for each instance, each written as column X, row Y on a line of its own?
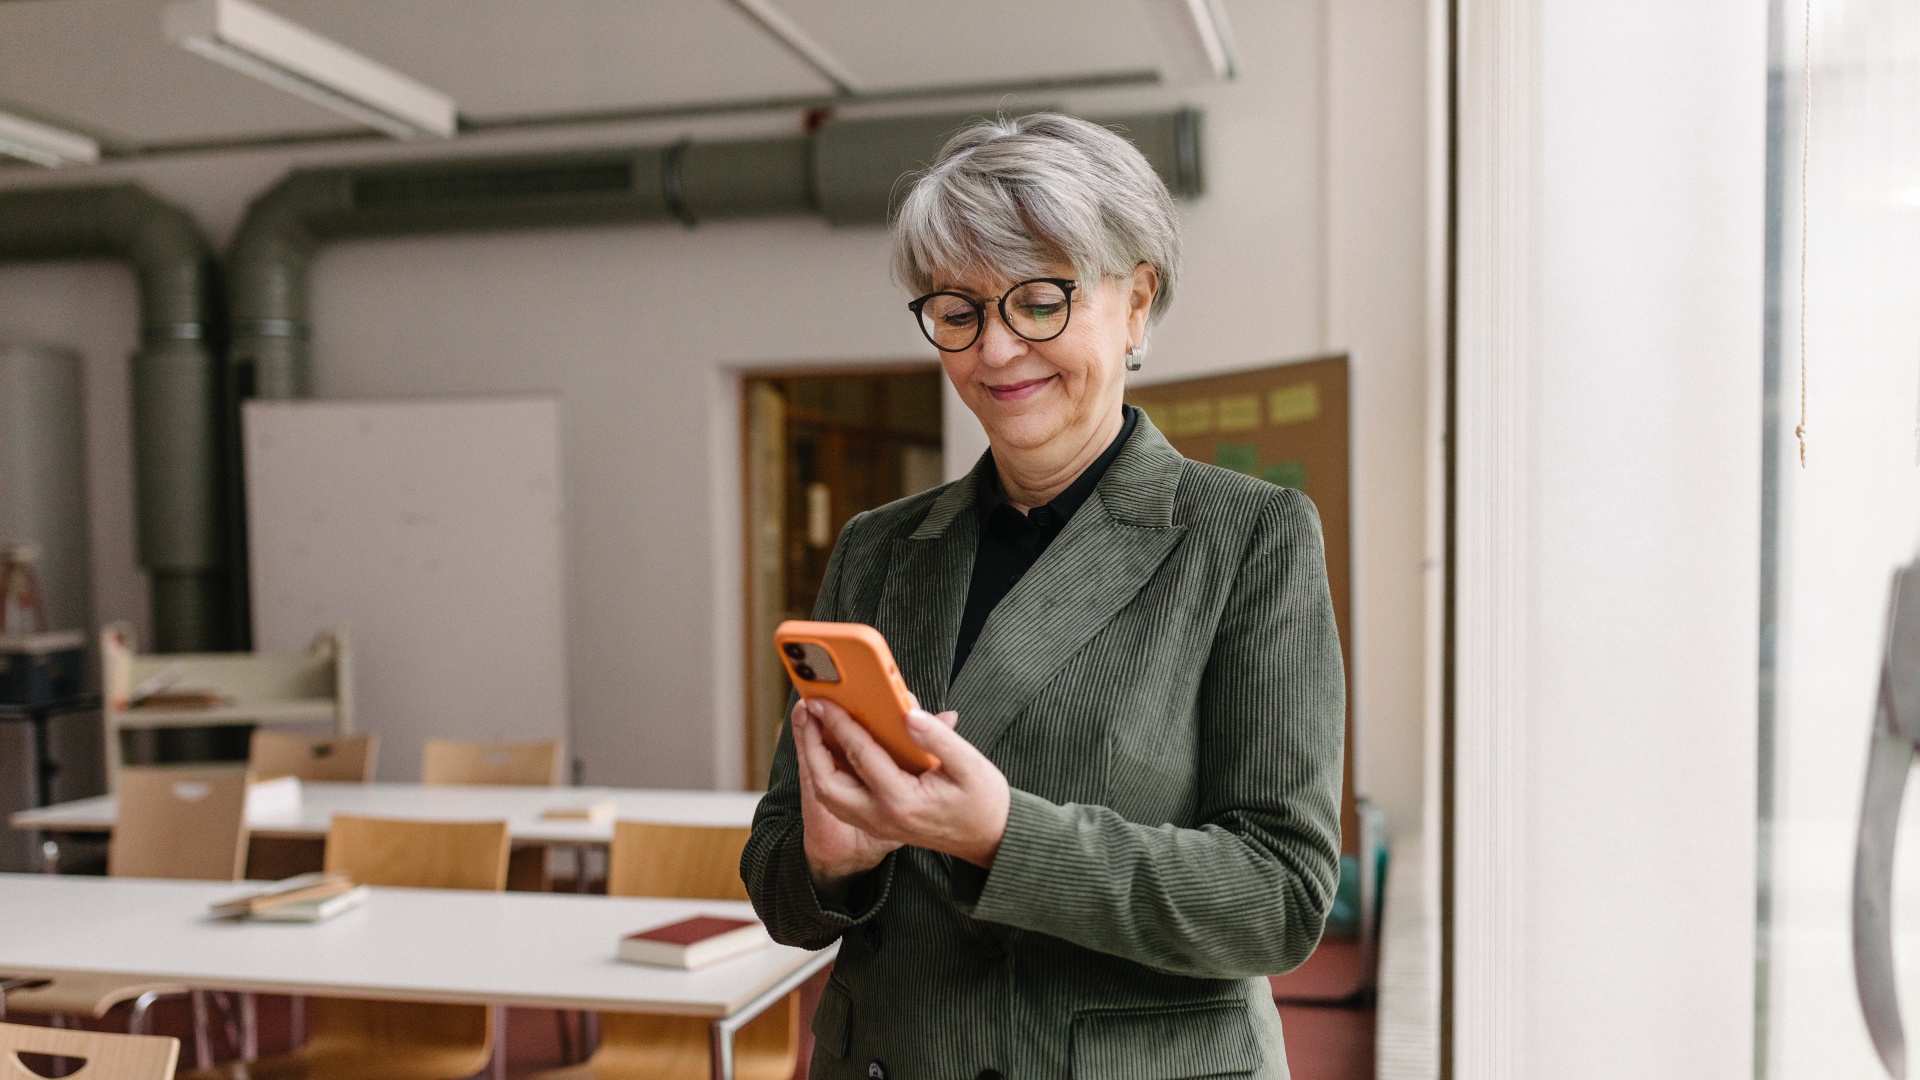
column 1164, row 692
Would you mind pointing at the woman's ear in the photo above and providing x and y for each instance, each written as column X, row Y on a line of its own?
column 1141, row 288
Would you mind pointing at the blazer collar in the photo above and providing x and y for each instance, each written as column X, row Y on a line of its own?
column 1138, row 488
column 1107, row 553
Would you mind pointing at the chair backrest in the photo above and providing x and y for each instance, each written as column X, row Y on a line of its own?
column 180, row 823
column 419, row 854
column 684, row 862
column 344, row 759
column 107, row 1056
column 452, row 761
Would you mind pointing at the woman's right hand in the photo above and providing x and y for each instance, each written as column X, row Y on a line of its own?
column 836, row 851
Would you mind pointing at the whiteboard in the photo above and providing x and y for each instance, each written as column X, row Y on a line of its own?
column 432, row 531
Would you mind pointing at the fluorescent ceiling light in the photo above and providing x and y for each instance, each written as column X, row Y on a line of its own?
column 53, row 147
column 1196, row 37
column 286, row 55
column 775, row 22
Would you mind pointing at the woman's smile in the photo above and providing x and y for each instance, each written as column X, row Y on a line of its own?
column 1019, row 391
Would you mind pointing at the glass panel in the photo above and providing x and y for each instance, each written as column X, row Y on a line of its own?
column 1837, row 527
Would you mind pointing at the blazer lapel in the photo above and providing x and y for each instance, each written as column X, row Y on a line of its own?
column 927, row 577
column 1109, row 550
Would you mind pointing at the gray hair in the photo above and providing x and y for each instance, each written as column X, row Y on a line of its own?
column 1010, row 196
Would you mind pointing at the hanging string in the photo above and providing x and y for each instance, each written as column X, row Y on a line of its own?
column 1806, row 143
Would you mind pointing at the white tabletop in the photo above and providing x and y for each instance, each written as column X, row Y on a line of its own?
column 534, row 950
column 520, row 807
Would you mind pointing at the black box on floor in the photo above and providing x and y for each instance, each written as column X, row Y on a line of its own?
column 42, row 667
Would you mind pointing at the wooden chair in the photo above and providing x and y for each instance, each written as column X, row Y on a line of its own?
column 386, row 1040
column 453, row 761
column 694, row 863
column 180, row 823
column 102, row 1055
column 183, row 823
column 346, row 759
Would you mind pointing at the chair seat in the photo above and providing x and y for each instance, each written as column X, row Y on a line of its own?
column 86, row 995
column 376, row 1040
column 643, row 1047
column 445, row 1064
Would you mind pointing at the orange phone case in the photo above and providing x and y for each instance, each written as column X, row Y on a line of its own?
column 869, row 688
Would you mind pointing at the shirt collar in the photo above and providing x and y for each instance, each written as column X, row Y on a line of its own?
column 1067, row 502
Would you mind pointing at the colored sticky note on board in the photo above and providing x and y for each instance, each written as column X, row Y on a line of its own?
column 1241, row 412
column 1293, row 404
column 1291, row 474
column 1240, row 457
column 1193, row 417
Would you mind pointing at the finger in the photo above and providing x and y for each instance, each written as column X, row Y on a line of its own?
column 958, row 757
column 810, row 746
column 841, row 791
column 949, row 718
column 882, row 775
column 913, row 697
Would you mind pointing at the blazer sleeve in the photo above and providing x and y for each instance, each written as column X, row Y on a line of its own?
column 774, row 864
column 1247, row 891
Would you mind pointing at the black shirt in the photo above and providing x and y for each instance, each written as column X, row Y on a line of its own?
column 1011, row 542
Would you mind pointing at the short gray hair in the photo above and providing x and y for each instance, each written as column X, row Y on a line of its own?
column 1010, row 196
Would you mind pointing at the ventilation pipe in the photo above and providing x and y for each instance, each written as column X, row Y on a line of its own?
column 848, row 171
column 176, row 409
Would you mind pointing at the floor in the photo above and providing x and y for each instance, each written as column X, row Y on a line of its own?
column 1327, row 1011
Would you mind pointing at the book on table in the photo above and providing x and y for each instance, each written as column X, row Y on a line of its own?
column 313, row 909
column 599, row 812
column 694, row 943
column 300, row 889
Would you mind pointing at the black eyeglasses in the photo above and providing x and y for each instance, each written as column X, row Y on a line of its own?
column 1036, row 309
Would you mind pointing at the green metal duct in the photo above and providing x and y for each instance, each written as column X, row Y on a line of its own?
column 848, row 171
column 176, row 404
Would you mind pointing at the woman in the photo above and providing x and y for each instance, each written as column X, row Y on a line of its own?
column 1133, row 661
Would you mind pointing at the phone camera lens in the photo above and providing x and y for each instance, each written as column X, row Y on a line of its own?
column 805, row 671
column 795, row 651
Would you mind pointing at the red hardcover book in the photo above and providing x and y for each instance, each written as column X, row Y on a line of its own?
column 694, row 943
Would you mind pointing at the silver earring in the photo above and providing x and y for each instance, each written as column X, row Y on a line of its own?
column 1133, row 358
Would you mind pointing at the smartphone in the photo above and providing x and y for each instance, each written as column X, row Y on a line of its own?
column 850, row 665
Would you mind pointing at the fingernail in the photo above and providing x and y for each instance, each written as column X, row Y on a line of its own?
column 815, row 707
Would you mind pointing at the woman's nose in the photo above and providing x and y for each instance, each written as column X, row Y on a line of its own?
column 998, row 344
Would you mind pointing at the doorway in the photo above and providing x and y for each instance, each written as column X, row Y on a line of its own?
column 818, row 448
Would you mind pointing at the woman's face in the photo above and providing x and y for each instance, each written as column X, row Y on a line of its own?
column 1029, row 393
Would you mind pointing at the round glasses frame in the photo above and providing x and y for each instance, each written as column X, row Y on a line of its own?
column 1065, row 285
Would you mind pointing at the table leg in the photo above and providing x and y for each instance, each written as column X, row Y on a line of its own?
column 721, row 1034
column 498, row 1070
column 49, row 854
column 44, row 767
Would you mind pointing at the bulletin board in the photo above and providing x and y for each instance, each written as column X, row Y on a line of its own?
column 432, row 531
column 1286, row 424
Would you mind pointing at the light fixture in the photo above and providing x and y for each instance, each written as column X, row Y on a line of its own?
column 30, row 140
column 286, row 55
column 1198, row 42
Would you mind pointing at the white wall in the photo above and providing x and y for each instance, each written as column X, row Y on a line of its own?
column 1643, row 558
column 621, row 324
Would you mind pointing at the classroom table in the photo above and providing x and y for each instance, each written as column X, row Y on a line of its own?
column 520, row 807
column 534, row 950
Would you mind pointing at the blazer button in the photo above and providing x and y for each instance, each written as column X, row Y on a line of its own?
column 990, row 1074
column 876, row 1071
column 871, row 934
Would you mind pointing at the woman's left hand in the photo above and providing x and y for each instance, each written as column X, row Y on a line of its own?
column 959, row 808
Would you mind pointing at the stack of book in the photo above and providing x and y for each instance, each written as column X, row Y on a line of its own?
column 306, row 898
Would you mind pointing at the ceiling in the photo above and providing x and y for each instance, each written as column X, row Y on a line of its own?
column 103, row 67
